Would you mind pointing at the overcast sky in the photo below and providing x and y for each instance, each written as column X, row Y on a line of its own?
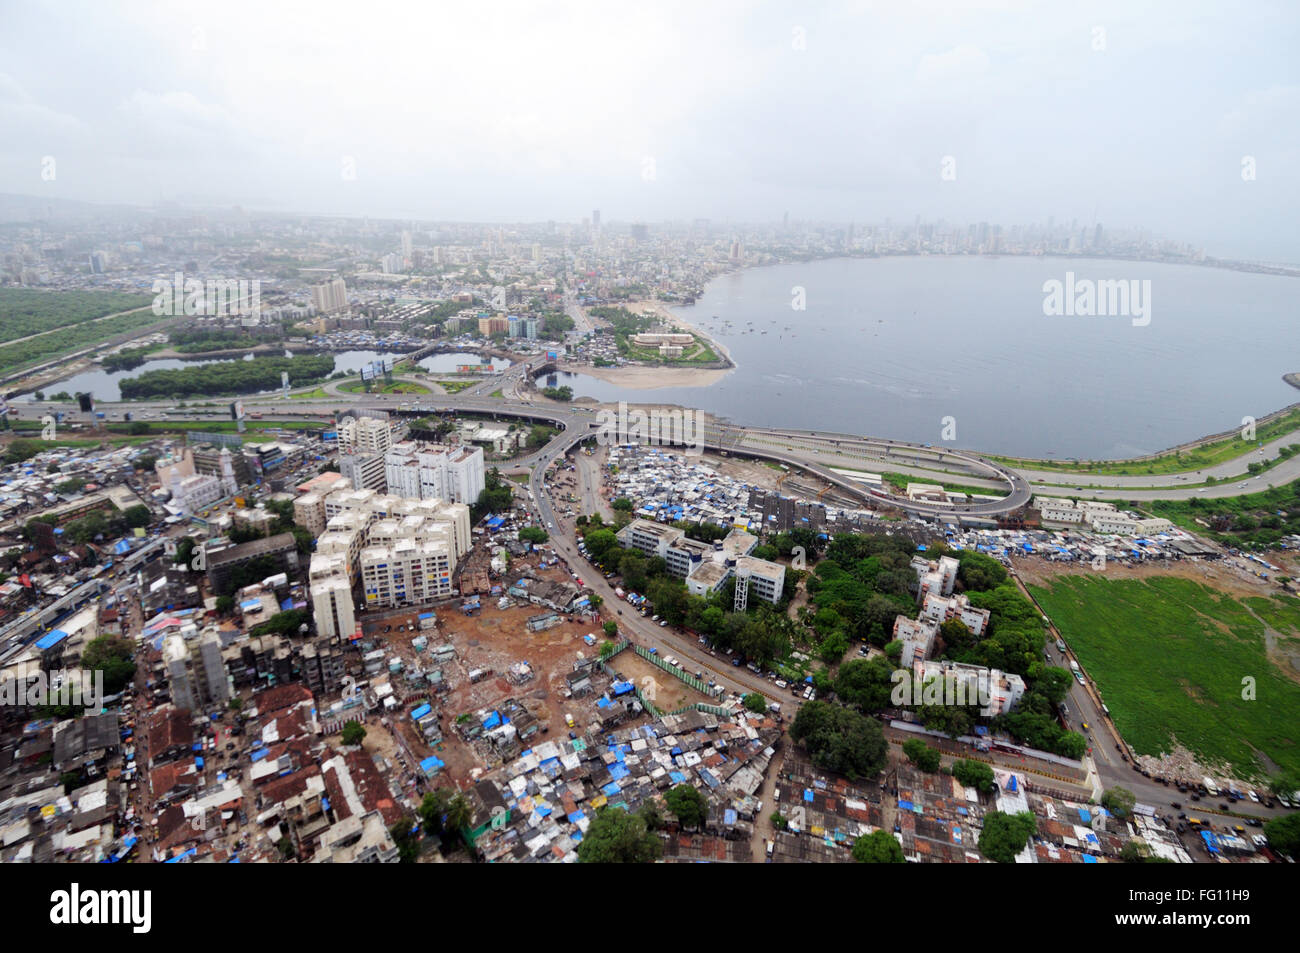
column 650, row 110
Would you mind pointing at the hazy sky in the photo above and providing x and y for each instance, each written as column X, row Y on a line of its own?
column 647, row 110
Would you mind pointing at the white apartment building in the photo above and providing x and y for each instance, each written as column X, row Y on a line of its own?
column 365, row 435
column 940, row 609
column 657, row 338
column 365, row 471
column 309, row 513
column 330, row 296
column 332, row 607
column 1153, row 526
column 402, row 552
column 192, row 493
column 937, row 577
column 996, row 692
column 406, row 572
column 767, row 578
column 421, row 471
column 705, row 567
column 1058, row 511
column 1113, row 523
column 917, row 637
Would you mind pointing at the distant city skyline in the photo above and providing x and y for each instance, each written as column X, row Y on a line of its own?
column 854, row 112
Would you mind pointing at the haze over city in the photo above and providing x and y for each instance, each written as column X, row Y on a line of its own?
column 845, row 112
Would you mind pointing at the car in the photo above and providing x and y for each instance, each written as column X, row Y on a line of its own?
column 662, row 623
column 1175, row 805
column 735, row 662
column 702, row 640
column 1253, row 796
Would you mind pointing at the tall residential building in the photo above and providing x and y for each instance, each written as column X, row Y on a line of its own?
column 425, row 471
column 196, row 672
column 365, row 470
column 330, row 296
column 332, row 607
column 365, row 434
column 401, row 552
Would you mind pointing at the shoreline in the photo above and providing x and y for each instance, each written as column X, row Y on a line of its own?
column 654, row 378
column 658, row 376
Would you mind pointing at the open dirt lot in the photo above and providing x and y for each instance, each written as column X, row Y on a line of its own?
column 667, row 692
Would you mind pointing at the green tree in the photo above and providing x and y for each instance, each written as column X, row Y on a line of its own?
column 1003, row 836
column 533, row 534
column 1283, row 834
column 922, row 755
column 137, row 516
column 353, row 732
column 113, row 656
column 878, row 847
column 973, row 774
column 617, row 837
column 611, row 628
column 599, row 542
column 866, row 683
column 407, row 841
column 755, row 703
column 1119, row 801
column 225, row 605
column 459, row 813
column 840, row 739
column 687, row 804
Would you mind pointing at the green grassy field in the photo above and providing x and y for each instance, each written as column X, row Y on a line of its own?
column 67, row 338
column 384, row 387
column 455, row 387
column 1169, row 656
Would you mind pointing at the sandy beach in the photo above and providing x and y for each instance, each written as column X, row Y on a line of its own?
column 642, row 377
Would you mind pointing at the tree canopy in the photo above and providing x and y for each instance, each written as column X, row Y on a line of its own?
column 1005, row 835
column 617, row 837
column 878, row 847
column 840, row 739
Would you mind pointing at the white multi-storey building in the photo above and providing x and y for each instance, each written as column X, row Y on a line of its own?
column 995, row 691
column 420, row 471
column 940, row 609
column 402, row 552
column 705, row 567
column 365, row 434
column 330, row 296
column 917, row 637
column 365, row 471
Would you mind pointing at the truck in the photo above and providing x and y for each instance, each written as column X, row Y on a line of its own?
column 1074, row 666
column 1211, row 788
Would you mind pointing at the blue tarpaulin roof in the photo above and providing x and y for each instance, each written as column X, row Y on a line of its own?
column 418, row 713
column 430, row 765
column 51, row 639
